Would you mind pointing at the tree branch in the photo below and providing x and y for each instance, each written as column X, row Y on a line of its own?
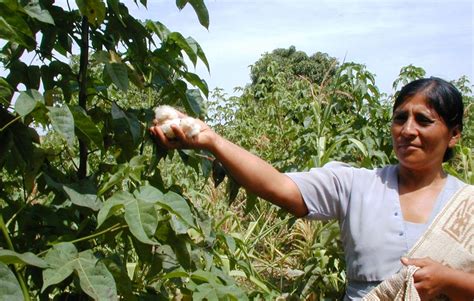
column 83, row 64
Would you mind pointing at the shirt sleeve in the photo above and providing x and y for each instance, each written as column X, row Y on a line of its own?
column 325, row 190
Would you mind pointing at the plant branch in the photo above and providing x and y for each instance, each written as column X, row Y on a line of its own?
column 9, row 123
column 83, row 64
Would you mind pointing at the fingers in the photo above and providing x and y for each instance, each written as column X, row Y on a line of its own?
column 162, row 140
column 419, row 262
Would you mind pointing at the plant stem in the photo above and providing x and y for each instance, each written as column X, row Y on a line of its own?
column 9, row 123
column 113, row 228
column 94, row 235
column 83, row 65
column 19, row 276
column 5, row 233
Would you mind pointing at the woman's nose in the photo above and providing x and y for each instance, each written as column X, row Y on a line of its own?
column 409, row 128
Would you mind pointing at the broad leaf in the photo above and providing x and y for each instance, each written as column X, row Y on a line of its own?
column 5, row 91
column 181, row 3
column 34, row 10
column 197, row 81
column 94, row 278
column 61, row 261
column 83, row 194
column 85, row 127
column 205, row 291
column 176, row 204
column 126, row 123
column 112, row 205
column 27, row 102
column 200, row 53
column 13, row 28
column 10, row 289
column 63, row 122
column 177, row 38
column 142, row 219
column 159, row 29
column 119, row 74
column 116, row 178
column 94, row 10
column 194, row 101
column 201, row 11
column 9, row 257
column 148, row 194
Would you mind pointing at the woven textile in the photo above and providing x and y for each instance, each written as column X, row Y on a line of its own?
column 448, row 240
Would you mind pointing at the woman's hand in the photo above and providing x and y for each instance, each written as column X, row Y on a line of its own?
column 203, row 140
column 430, row 278
column 434, row 278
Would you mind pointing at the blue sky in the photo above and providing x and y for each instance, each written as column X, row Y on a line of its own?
column 385, row 35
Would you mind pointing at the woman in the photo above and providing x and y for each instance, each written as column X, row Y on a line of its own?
column 381, row 212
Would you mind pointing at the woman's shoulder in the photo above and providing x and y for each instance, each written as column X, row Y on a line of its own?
column 454, row 183
column 384, row 170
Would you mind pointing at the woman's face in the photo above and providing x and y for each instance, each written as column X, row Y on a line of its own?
column 420, row 136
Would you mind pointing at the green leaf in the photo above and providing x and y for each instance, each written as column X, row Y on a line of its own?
column 10, row 289
column 218, row 172
column 112, row 205
column 232, row 189
column 178, row 273
column 119, row 74
column 63, row 122
column 126, row 123
column 198, row 50
column 360, row 146
column 201, row 11
column 83, row 194
column 205, row 291
column 94, row 278
column 94, row 10
column 61, row 261
column 86, row 128
column 140, row 216
column 193, row 101
column 182, row 43
column 114, row 5
column 159, row 29
column 13, row 28
column 197, row 81
column 176, row 204
column 181, row 3
column 148, row 194
column 142, row 219
column 116, row 178
column 5, row 91
column 34, row 10
column 9, row 257
column 27, row 102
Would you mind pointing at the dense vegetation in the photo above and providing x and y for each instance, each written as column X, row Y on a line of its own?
column 93, row 209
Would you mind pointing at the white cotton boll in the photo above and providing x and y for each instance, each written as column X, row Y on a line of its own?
column 166, row 127
column 163, row 113
column 190, row 126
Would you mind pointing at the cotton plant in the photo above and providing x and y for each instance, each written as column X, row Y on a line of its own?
column 166, row 116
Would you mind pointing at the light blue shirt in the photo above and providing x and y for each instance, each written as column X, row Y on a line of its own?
column 366, row 203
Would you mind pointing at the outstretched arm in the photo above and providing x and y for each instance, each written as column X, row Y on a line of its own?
column 434, row 278
column 253, row 173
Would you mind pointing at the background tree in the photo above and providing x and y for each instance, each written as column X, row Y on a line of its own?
column 84, row 211
column 316, row 67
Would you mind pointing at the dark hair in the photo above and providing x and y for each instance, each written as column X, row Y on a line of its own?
column 441, row 96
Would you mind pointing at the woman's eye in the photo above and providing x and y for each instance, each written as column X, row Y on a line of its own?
column 399, row 118
column 424, row 120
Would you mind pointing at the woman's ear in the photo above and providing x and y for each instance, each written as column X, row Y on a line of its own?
column 455, row 136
